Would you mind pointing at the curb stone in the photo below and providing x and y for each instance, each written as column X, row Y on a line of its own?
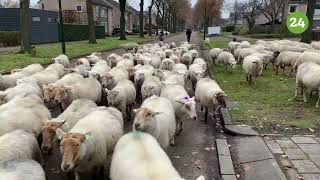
column 225, row 161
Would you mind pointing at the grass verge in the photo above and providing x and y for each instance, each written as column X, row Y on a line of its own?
column 45, row 52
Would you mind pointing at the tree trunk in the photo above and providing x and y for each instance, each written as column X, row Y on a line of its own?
column 273, row 25
column 158, row 12
column 141, row 19
column 307, row 35
column 122, row 19
column 163, row 18
column 285, row 7
column 150, row 18
column 24, row 25
column 92, row 32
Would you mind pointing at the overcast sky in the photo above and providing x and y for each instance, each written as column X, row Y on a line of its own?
column 135, row 3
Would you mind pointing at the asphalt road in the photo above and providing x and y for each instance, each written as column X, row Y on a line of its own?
column 194, row 153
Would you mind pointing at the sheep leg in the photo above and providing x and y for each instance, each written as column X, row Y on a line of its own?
column 181, row 127
column 283, row 68
column 317, row 104
column 206, row 115
column 247, row 78
column 304, row 94
column 310, row 96
column 296, row 93
column 277, row 69
column 201, row 108
column 172, row 142
column 177, row 129
column 265, row 68
column 77, row 175
column 250, row 78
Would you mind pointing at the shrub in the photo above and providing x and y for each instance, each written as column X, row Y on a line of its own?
column 230, row 28
column 10, row 38
column 81, row 32
column 243, row 30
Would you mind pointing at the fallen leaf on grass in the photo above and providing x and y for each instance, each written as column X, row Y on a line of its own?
column 197, row 163
column 207, row 149
column 185, row 165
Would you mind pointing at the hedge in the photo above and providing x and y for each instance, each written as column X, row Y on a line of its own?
column 230, row 28
column 9, row 38
column 81, row 32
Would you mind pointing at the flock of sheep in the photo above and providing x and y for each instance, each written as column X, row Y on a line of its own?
column 302, row 58
column 153, row 73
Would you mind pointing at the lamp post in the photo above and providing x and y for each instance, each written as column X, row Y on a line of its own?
column 205, row 20
column 61, row 29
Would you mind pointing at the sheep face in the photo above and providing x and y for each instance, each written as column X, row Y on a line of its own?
column 107, row 80
column 70, row 147
column 95, row 75
column 199, row 75
column 131, row 72
column 258, row 68
column 149, row 91
column 189, row 107
column 144, row 120
column 61, row 93
column 48, row 135
column 113, row 98
column 48, row 93
column 158, row 73
column 221, row 99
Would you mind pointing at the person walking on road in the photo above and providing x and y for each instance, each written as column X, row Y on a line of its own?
column 188, row 33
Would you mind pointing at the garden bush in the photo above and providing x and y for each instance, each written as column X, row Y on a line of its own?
column 81, row 32
column 230, row 28
column 9, row 38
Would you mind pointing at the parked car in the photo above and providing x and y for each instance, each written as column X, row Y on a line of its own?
column 115, row 31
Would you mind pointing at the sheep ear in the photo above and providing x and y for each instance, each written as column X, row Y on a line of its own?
column 193, row 98
column 62, row 122
column 180, row 102
column 60, row 133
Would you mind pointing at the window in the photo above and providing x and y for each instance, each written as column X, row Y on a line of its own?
column 49, row 19
column 79, row 8
column 42, row 6
column 293, row 8
column 103, row 12
column 35, row 19
column 97, row 11
column 317, row 6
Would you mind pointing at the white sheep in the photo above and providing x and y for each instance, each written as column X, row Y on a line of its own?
column 22, row 169
column 156, row 116
column 173, row 45
column 174, row 79
column 113, row 60
column 209, row 95
column 129, row 46
column 162, row 74
column 151, row 86
column 175, row 58
column 168, row 52
column 185, row 107
column 78, row 109
column 125, row 63
column 194, row 54
column 83, row 61
column 29, row 70
column 141, row 74
column 196, row 72
column 99, row 69
column 138, row 152
column 49, row 91
column 155, row 61
column 207, row 41
column 244, row 52
column 307, row 57
column 233, row 46
column 167, row 64
column 111, row 78
column 89, row 88
column 62, row 59
column 227, row 60
column 87, row 145
column 161, row 54
column 94, row 58
column 315, row 45
column 308, row 77
column 122, row 97
column 128, row 56
column 244, row 44
column 286, row 58
column 21, row 90
column 252, row 67
column 182, row 70
column 201, row 62
column 23, row 113
column 19, row 144
column 214, row 53
column 186, row 58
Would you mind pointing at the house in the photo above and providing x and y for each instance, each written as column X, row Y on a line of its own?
column 146, row 19
column 75, row 12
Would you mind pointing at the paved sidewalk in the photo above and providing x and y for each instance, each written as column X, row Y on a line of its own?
column 298, row 156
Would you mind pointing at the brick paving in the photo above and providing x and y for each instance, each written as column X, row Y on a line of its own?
column 298, row 156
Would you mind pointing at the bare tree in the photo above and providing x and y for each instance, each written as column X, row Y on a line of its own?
column 271, row 9
column 10, row 4
column 25, row 25
column 307, row 36
column 92, row 32
column 122, row 4
column 250, row 13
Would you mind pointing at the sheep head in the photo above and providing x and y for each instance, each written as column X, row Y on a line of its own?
column 70, row 147
column 2, row 97
column 188, row 107
column 106, row 80
column 113, row 98
column 48, row 93
column 220, row 96
column 48, row 134
column 144, row 119
column 61, row 93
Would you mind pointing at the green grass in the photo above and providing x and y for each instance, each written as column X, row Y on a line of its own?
column 269, row 106
column 217, row 42
column 45, row 52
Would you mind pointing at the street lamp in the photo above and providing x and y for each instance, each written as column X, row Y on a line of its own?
column 61, row 29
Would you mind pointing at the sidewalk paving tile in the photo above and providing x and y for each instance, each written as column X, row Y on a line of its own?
column 223, row 147
column 263, row 170
column 294, row 154
column 252, row 149
column 318, row 139
column 292, row 174
column 229, row 177
column 287, row 144
column 304, row 140
column 315, row 159
column 311, row 176
column 305, row 166
column 310, row 149
column 226, row 166
column 274, row 147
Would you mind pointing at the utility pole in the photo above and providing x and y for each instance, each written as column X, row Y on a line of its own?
column 62, row 29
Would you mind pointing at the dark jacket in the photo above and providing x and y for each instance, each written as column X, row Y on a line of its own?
column 188, row 32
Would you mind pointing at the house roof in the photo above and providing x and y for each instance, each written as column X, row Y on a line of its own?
column 133, row 10
column 128, row 8
column 101, row 3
